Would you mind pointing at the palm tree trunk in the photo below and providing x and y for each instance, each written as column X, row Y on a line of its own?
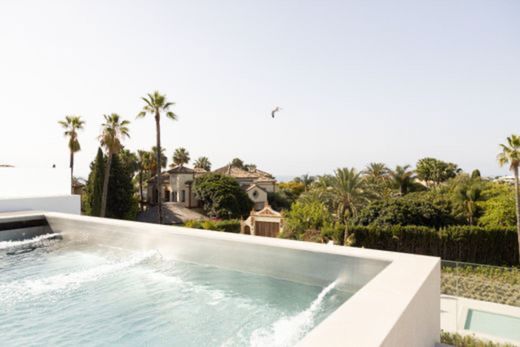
column 517, row 191
column 158, row 180
column 346, row 234
column 141, row 189
column 71, row 172
column 105, row 186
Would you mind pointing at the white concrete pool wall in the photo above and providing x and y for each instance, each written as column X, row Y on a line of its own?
column 398, row 303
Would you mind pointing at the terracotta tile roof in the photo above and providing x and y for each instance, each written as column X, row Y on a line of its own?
column 199, row 171
column 165, row 177
column 181, row 169
column 236, row 172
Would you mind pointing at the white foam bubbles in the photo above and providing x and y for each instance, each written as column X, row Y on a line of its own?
column 20, row 290
column 287, row 331
column 12, row 244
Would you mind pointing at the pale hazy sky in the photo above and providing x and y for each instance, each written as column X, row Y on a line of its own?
column 358, row 81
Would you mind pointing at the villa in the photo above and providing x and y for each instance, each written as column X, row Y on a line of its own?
column 177, row 185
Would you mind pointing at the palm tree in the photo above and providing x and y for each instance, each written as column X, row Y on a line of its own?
column 181, row 156
column 153, row 160
column 467, row 194
column 202, row 163
column 144, row 159
column 114, row 130
column 72, row 124
column 376, row 171
column 349, row 191
column 155, row 104
column 511, row 155
column 403, row 179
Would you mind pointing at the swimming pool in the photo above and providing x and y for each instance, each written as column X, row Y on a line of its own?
column 493, row 324
column 71, row 292
column 75, row 280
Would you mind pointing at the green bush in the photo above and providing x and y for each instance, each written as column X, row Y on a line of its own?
column 481, row 245
column 221, row 196
column 421, row 208
column 458, row 340
column 230, row 226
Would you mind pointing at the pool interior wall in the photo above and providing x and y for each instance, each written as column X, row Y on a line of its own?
column 300, row 262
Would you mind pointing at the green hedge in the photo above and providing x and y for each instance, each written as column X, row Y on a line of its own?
column 495, row 246
column 230, row 226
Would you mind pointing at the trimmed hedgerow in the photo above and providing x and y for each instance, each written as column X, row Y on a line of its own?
column 483, row 245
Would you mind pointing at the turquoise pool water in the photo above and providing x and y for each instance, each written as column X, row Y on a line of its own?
column 493, row 324
column 71, row 293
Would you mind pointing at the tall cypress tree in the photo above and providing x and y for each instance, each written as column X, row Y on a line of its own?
column 121, row 200
column 94, row 187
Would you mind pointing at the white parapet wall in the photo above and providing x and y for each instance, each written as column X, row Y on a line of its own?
column 65, row 204
column 23, row 189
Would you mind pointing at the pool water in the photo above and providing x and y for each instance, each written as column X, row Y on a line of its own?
column 72, row 293
column 493, row 324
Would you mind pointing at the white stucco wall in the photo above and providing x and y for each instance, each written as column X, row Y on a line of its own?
column 31, row 182
column 23, row 189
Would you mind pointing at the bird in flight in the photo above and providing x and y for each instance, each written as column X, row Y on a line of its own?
column 276, row 109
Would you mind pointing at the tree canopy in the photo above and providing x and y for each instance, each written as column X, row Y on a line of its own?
column 435, row 171
column 221, row 196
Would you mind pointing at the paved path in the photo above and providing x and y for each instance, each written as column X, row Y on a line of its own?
column 173, row 213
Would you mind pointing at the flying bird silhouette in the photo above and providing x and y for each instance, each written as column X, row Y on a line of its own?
column 276, row 109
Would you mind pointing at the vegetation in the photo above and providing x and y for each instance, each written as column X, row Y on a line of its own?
column 306, row 180
column 114, row 130
column 413, row 209
column 230, row 225
column 72, row 124
column 403, row 179
column 495, row 246
column 510, row 155
column 202, row 163
column 121, row 200
column 306, row 216
column 155, row 105
column 487, row 283
column 459, row 340
column 94, row 187
column 434, row 171
column 221, row 196
column 181, row 156
column 498, row 206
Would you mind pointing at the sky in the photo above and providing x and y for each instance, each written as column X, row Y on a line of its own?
column 358, row 81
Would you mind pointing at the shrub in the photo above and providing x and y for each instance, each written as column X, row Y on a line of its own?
column 221, row 196
column 486, row 283
column 304, row 216
column 413, row 209
column 458, row 340
column 230, row 226
column 492, row 246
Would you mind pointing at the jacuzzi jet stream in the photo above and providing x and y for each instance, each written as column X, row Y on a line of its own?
column 11, row 244
column 289, row 330
column 18, row 291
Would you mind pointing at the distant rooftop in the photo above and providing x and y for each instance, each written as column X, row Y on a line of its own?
column 237, row 172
